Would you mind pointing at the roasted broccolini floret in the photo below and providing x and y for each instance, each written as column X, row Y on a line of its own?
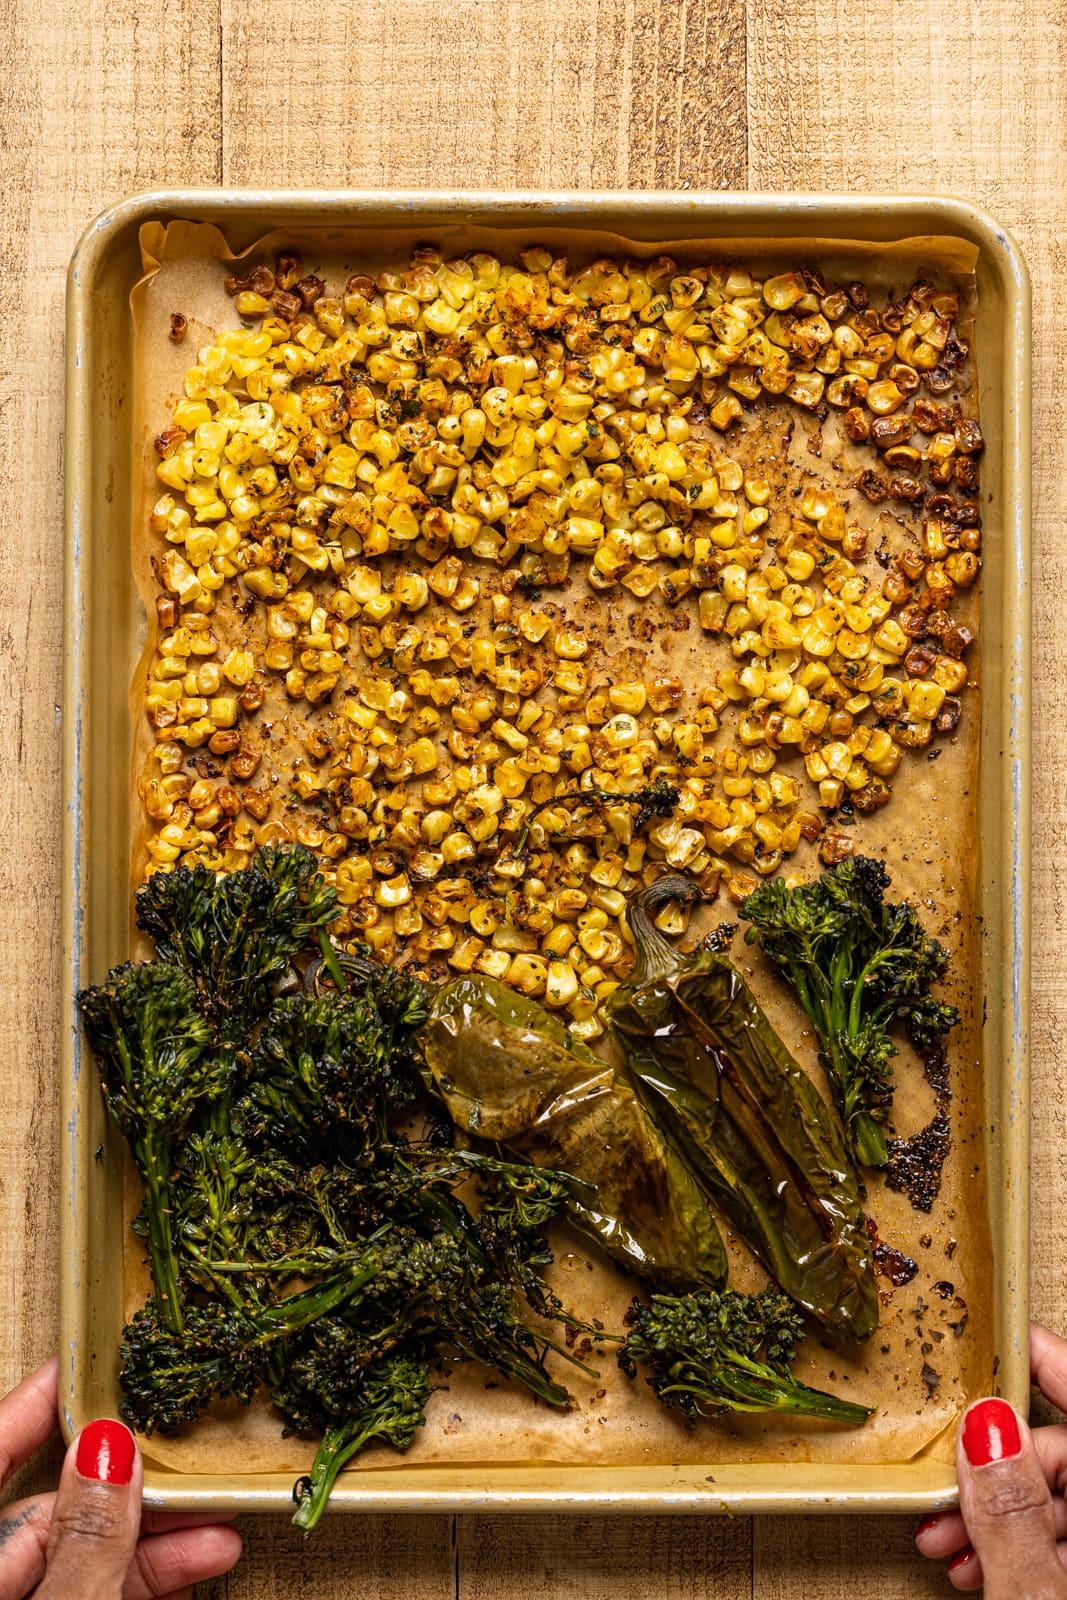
column 858, row 965
column 156, row 1068
column 709, row 1353
column 350, row 1406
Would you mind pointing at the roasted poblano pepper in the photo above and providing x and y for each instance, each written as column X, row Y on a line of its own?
column 743, row 1115
column 509, row 1072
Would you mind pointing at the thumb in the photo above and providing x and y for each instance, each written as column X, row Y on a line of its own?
column 1007, row 1506
column 96, row 1518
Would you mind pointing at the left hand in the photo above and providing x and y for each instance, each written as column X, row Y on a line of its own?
column 89, row 1540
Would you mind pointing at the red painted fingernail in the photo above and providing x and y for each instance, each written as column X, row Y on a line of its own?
column 991, row 1433
column 961, row 1558
column 106, row 1452
column 925, row 1526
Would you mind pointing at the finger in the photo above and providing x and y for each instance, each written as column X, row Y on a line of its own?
column 23, row 1536
column 167, row 1521
column 28, row 1418
column 173, row 1562
column 965, row 1570
column 1048, row 1364
column 96, row 1517
column 1050, row 1442
column 941, row 1536
column 1006, row 1505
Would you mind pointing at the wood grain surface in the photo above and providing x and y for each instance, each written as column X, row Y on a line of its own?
column 836, row 94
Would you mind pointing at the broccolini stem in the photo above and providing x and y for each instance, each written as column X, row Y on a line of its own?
column 517, row 1364
column 333, row 966
column 211, row 1269
column 311, row 1494
column 153, row 1162
column 295, row 1312
column 218, row 1116
column 754, row 1390
column 871, row 1147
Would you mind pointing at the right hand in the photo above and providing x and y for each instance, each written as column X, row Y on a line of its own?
column 1010, row 1533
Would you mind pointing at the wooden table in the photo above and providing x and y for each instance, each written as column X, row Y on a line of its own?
column 96, row 103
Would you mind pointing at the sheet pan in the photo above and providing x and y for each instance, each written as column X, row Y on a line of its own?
column 107, row 632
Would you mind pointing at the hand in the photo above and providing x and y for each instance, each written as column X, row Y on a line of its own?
column 1010, row 1533
column 89, row 1541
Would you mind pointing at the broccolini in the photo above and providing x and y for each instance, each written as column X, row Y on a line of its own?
column 710, row 1353
column 858, row 964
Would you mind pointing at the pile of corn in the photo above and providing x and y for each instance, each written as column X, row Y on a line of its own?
column 379, row 509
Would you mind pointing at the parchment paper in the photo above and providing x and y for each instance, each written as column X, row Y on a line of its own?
column 933, row 1351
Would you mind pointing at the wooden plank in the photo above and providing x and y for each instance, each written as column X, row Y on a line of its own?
column 380, row 1558
column 604, row 1558
column 456, row 93
column 89, row 114
column 838, row 1558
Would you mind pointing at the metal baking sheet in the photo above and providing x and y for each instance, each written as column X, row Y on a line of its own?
column 105, row 636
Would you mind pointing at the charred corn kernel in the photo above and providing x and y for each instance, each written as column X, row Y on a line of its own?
column 494, row 963
column 353, row 875
column 411, row 591
column 570, row 677
column 884, row 398
column 407, row 920
column 465, row 954
column 621, row 731
column 962, row 567
column 838, row 759
column 239, row 667
column 528, row 973
column 435, row 825
column 569, row 903
column 423, row 755
column 595, row 942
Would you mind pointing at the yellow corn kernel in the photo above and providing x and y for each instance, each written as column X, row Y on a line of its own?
column 423, row 755
column 559, row 941
column 892, row 639
column 882, row 754
column 561, row 984
column 950, row 674
column 924, row 699
column 458, row 847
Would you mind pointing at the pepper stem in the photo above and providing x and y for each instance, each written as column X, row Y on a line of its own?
column 656, row 957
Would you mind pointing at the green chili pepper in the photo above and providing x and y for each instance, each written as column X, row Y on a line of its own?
column 509, row 1072
column 727, row 1093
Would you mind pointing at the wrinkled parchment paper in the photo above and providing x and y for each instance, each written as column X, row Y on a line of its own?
column 933, row 1351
